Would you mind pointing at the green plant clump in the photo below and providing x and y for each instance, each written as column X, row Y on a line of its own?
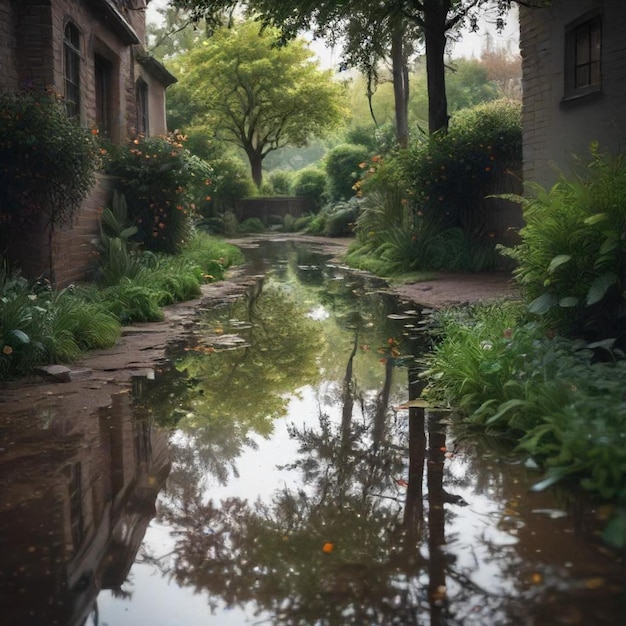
column 449, row 175
column 160, row 181
column 548, row 395
column 571, row 263
column 310, row 182
column 342, row 166
column 47, row 161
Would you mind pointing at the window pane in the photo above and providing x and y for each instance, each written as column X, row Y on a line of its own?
column 582, row 76
column 582, row 46
column 595, row 74
column 596, row 41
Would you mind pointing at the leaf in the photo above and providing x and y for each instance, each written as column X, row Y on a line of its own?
column 19, row 335
column 596, row 219
column 506, row 407
column 542, row 304
column 552, row 477
column 413, row 404
column 557, row 261
column 600, row 286
column 568, row 302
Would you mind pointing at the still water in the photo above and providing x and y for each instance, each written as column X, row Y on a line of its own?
column 273, row 473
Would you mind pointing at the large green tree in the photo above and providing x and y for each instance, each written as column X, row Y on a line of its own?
column 260, row 97
column 435, row 19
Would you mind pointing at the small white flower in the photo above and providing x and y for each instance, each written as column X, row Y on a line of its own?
column 486, row 345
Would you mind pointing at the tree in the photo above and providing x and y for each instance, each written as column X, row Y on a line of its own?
column 436, row 20
column 254, row 94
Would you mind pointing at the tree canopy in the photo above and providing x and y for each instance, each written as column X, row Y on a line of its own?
column 246, row 90
column 434, row 19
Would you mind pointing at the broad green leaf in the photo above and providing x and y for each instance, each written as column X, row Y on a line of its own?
column 506, row 407
column 600, row 286
column 19, row 335
column 542, row 304
column 557, row 261
column 568, row 302
column 596, row 219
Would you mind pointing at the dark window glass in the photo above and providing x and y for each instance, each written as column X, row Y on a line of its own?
column 71, row 52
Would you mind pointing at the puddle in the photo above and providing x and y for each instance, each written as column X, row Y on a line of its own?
column 279, row 471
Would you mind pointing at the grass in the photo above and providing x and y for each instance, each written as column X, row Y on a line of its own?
column 39, row 325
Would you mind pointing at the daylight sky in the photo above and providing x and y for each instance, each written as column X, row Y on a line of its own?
column 470, row 45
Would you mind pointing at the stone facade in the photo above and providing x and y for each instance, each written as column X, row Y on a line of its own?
column 113, row 70
column 558, row 124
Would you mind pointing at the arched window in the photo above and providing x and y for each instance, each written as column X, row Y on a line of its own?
column 71, row 53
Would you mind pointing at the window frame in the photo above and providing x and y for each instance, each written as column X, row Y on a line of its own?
column 143, row 107
column 72, row 58
column 586, row 25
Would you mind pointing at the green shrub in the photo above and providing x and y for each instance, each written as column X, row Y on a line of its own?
column 47, row 161
column 448, row 175
column 572, row 259
column 342, row 166
column 549, row 395
column 281, row 181
column 230, row 181
column 310, row 182
column 252, row 225
column 160, row 181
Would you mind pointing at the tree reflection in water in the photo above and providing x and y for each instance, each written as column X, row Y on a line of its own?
column 375, row 531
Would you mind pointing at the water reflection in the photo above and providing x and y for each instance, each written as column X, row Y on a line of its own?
column 299, row 491
column 78, row 491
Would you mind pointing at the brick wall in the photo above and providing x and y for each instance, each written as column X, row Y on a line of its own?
column 9, row 77
column 555, row 129
column 32, row 54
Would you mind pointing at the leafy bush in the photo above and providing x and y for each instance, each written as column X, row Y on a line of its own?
column 281, row 181
column 47, row 161
column 38, row 325
column 160, row 180
column 251, row 225
column 342, row 169
column 572, row 259
column 448, row 175
column 230, row 181
column 310, row 182
column 549, row 395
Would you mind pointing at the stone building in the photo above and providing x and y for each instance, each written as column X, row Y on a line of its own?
column 574, row 81
column 91, row 52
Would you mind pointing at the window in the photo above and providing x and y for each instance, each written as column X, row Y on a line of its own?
column 583, row 57
column 102, row 76
column 71, row 54
column 142, row 107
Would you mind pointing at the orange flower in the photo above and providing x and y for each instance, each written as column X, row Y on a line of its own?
column 328, row 547
column 8, row 350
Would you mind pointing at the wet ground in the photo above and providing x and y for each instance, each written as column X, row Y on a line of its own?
column 269, row 464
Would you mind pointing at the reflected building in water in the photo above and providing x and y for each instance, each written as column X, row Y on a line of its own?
column 78, row 491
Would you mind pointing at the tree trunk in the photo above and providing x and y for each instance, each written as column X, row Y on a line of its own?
column 435, row 13
column 256, row 167
column 400, row 85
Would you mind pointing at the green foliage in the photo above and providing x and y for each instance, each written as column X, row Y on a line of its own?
column 342, row 166
column 281, row 181
column 551, row 395
column 47, row 161
column 254, row 94
column 252, row 225
column 38, row 325
column 310, row 182
column 160, row 181
column 230, row 181
column 449, row 174
column 572, row 259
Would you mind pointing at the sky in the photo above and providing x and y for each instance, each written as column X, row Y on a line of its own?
column 470, row 44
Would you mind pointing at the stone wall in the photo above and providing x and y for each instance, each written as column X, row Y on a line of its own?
column 557, row 127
